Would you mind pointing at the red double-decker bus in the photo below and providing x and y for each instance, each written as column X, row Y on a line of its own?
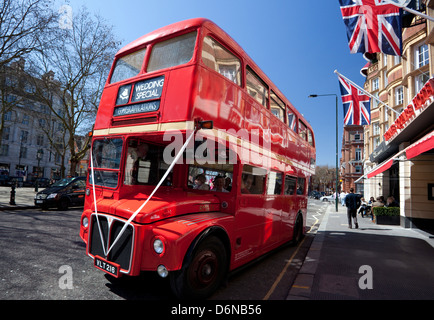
column 199, row 163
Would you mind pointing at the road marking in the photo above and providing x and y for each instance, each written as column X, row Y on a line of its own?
column 301, row 287
column 279, row 278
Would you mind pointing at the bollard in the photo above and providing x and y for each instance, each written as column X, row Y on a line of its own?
column 12, row 200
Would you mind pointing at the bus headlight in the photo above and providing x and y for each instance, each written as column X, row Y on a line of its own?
column 85, row 222
column 162, row 271
column 158, row 246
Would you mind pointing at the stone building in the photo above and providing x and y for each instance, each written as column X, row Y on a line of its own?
column 27, row 127
column 399, row 155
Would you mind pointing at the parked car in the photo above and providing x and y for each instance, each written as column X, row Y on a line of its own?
column 62, row 194
column 315, row 194
column 4, row 178
column 329, row 198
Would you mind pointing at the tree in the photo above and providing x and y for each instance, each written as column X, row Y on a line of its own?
column 323, row 178
column 74, row 69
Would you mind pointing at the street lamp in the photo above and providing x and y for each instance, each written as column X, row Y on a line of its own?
column 337, row 157
column 39, row 155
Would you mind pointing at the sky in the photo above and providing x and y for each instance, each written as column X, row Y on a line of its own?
column 298, row 45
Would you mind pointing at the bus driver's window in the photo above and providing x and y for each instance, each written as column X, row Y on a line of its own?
column 138, row 163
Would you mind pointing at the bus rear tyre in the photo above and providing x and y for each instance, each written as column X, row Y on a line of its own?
column 205, row 272
column 298, row 230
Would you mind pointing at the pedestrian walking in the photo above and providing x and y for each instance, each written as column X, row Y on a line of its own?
column 352, row 201
column 342, row 197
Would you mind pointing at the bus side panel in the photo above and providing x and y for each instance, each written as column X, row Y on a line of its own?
column 106, row 107
column 218, row 99
column 177, row 101
column 178, row 234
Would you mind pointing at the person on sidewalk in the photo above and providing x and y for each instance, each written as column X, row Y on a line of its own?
column 363, row 208
column 352, row 201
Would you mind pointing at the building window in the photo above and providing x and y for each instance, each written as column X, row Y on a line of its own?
column 39, row 140
column 4, row 150
column 374, row 102
column 399, row 96
column 8, row 116
column 6, row 133
column 376, row 129
column 420, row 81
column 358, row 154
column 358, row 169
column 24, row 136
column 23, row 153
column 422, row 56
column 25, row 120
column 376, row 142
column 375, row 84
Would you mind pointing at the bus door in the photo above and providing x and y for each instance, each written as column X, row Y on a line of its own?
column 273, row 209
column 249, row 219
column 290, row 206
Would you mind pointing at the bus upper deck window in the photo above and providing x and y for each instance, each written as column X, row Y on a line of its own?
column 277, row 107
column 256, row 87
column 128, row 66
column 219, row 59
column 172, row 52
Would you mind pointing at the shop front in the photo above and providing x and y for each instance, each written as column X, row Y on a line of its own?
column 404, row 162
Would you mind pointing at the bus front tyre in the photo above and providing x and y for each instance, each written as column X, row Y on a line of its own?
column 203, row 275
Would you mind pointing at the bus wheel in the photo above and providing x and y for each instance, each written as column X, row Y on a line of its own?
column 298, row 230
column 204, row 273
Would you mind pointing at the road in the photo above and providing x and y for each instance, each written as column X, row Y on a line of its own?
column 43, row 258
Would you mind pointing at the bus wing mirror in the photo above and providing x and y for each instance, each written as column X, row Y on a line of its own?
column 205, row 124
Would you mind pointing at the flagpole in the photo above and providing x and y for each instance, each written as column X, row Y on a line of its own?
column 415, row 12
column 366, row 92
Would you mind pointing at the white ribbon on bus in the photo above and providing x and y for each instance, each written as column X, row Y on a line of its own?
column 143, row 205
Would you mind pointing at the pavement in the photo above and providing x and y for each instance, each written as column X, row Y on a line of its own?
column 373, row 262
column 24, row 198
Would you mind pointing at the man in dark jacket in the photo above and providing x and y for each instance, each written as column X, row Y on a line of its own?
column 352, row 201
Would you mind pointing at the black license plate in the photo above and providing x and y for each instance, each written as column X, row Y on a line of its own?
column 108, row 267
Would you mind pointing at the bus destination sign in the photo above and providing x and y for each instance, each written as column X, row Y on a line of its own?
column 149, row 89
column 143, row 107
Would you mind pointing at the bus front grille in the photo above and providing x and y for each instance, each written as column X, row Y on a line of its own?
column 121, row 253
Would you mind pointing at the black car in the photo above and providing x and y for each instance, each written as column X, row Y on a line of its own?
column 62, row 194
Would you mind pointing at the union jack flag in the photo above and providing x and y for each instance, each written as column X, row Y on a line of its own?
column 372, row 26
column 356, row 104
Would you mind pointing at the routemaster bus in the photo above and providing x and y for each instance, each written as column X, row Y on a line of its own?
column 199, row 164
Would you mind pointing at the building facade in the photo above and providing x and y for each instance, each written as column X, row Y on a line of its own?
column 28, row 125
column 351, row 164
column 399, row 155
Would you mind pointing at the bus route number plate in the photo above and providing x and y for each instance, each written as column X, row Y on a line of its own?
column 108, row 267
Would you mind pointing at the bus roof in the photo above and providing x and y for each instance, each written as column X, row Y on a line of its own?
column 214, row 28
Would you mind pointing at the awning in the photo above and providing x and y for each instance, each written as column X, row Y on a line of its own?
column 423, row 145
column 381, row 168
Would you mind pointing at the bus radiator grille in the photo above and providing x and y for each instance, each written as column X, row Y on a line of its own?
column 121, row 252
